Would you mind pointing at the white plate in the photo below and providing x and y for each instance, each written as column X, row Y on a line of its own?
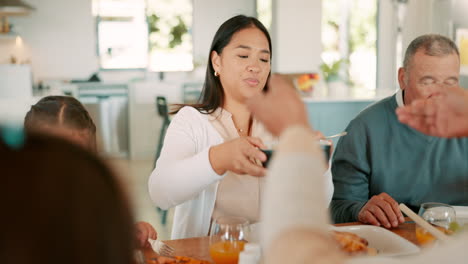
column 388, row 244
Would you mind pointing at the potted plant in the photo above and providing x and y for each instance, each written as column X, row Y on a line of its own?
column 333, row 78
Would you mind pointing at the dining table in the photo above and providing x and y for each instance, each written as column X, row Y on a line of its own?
column 198, row 247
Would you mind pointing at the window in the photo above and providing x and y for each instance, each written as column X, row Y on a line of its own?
column 153, row 34
column 170, row 37
column 264, row 12
column 349, row 32
column 122, row 33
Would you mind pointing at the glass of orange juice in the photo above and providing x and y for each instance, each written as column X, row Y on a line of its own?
column 228, row 236
column 442, row 216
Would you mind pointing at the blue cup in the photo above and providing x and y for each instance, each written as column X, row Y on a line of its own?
column 325, row 145
column 268, row 153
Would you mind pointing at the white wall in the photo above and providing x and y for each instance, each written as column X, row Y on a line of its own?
column 59, row 38
column 422, row 17
column 460, row 13
column 8, row 48
column 208, row 15
column 386, row 51
column 417, row 22
column 296, row 33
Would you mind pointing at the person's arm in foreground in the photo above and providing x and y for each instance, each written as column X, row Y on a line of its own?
column 292, row 227
column 296, row 232
column 443, row 115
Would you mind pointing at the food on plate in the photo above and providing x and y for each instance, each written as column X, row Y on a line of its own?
column 176, row 260
column 353, row 244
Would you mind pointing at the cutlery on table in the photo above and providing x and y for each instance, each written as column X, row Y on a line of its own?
column 344, row 133
column 161, row 248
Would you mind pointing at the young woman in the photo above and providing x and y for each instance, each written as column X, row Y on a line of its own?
column 209, row 165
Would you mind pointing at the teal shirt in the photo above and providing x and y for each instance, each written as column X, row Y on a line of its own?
column 380, row 154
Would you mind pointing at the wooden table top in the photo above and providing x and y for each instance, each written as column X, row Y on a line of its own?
column 198, row 247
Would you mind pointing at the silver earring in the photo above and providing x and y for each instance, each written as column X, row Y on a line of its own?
column 216, row 74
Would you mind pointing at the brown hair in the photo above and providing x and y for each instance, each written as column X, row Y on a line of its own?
column 60, row 204
column 212, row 95
column 62, row 111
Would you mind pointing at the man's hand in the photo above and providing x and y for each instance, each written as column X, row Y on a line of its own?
column 280, row 107
column 443, row 115
column 381, row 210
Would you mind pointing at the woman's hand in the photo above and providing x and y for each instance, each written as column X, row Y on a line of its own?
column 240, row 156
column 143, row 232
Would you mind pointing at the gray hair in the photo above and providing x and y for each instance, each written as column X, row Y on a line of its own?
column 432, row 45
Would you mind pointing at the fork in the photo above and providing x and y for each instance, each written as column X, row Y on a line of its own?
column 161, row 248
column 344, row 133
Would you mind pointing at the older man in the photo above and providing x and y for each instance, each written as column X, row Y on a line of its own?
column 382, row 162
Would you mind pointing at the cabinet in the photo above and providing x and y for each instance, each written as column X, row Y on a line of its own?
column 108, row 106
column 8, row 36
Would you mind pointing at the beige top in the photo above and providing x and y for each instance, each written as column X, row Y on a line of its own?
column 238, row 195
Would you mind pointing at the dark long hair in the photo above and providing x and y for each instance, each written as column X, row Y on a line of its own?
column 59, row 204
column 212, row 95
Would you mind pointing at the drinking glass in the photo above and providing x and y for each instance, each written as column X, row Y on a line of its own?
column 442, row 216
column 228, row 236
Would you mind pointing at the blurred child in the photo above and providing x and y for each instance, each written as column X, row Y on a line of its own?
column 66, row 117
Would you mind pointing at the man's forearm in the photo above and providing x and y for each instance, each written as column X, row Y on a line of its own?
column 344, row 211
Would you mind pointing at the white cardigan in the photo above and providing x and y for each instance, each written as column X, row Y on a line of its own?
column 184, row 178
